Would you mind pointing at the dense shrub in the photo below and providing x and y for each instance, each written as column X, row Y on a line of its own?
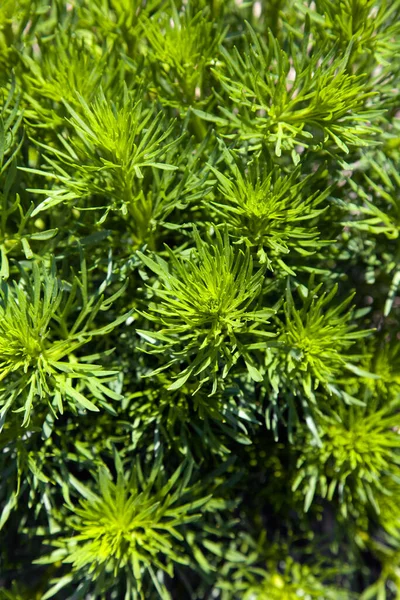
column 199, row 309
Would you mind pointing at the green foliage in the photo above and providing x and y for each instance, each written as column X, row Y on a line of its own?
column 380, row 213
column 316, row 337
column 34, row 366
column 130, row 526
column 296, row 581
column 113, row 146
column 67, row 68
column 14, row 238
column 270, row 211
column 208, row 307
column 199, row 299
column 371, row 26
column 357, row 447
column 323, row 105
column 185, row 45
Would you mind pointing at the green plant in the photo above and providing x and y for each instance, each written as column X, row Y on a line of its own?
column 206, row 304
column 199, row 299
column 357, row 448
column 271, row 211
column 131, row 526
column 38, row 345
column 320, row 105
